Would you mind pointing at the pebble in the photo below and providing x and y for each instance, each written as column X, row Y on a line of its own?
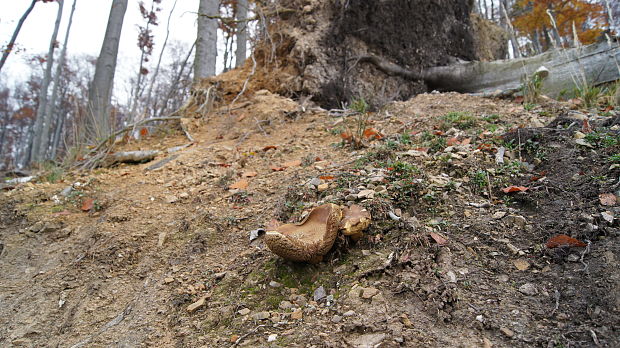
column 350, row 197
column 315, row 182
column 528, row 289
column 349, row 313
column 219, row 276
column 171, row 199
column 322, row 187
column 573, row 258
column 319, row 294
column 261, row 315
column 168, row 280
column 272, row 337
column 274, row 284
column 506, row 331
column 366, row 194
column 498, row 215
column 297, row 314
column 194, row 306
column 285, row 305
column 369, row 292
column 336, row 319
column 244, row 311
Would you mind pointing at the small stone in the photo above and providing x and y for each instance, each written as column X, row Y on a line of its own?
column 274, row 284
column 528, row 289
column 498, row 215
column 406, row 321
column 366, row 194
column 319, row 294
column 486, row 343
column 66, row 191
column 350, row 197
column 506, row 331
column 365, row 252
column 285, row 305
column 322, row 187
column 272, row 337
column 168, row 280
column 369, row 292
column 349, row 313
column 171, row 199
column 451, row 276
column 184, row 195
column 336, row 319
column 573, row 258
column 297, row 314
column 608, row 216
column 194, row 306
column 38, row 226
column 480, row 318
column 517, row 220
column 219, row 276
column 244, row 311
column 521, row 264
column 234, row 338
column 261, row 315
column 315, row 182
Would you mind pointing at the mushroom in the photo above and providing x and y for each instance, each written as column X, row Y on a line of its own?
column 355, row 220
column 308, row 240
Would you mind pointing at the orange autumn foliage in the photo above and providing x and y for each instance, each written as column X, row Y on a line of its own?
column 532, row 18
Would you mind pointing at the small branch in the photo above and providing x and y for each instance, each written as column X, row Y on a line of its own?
column 585, row 251
column 246, row 335
column 255, row 18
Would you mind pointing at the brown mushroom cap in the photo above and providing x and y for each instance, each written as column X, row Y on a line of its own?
column 354, row 221
column 308, row 240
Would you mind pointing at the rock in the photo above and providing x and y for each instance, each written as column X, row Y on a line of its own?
column 297, row 314
column 50, row 227
column 194, row 306
column 272, row 337
column 171, row 199
column 350, row 197
column 608, row 216
column 369, row 292
column 261, row 315
column 506, row 331
column 37, row 227
column 517, row 220
column 486, row 343
column 319, row 294
column 451, row 276
column 322, row 187
column 573, row 258
column 274, row 284
column 498, row 215
column 285, row 305
column 366, row 194
column 528, row 289
column 365, row 252
column 168, row 280
column 161, row 238
column 370, row 340
column 349, row 313
column 233, row 338
column 315, row 182
column 66, row 191
column 219, row 276
column 336, row 319
column 244, row 311
column 184, row 195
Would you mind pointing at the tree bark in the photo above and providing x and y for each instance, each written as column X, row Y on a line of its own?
column 36, row 149
column 242, row 33
column 567, row 69
column 51, row 108
column 9, row 47
column 206, row 40
column 100, row 92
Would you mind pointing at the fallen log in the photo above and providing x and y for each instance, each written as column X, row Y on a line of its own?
column 568, row 69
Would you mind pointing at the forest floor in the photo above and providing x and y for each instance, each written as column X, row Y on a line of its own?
column 135, row 256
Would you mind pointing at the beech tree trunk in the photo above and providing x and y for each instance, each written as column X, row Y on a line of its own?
column 98, row 124
column 37, row 150
column 242, row 33
column 9, row 46
column 206, row 40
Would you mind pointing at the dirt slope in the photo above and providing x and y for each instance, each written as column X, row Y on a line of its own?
column 163, row 258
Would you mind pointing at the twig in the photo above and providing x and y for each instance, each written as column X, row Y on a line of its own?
column 245, row 83
column 246, row 335
column 557, row 302
column 259, row 126
column 583, row 253
column 489, row 186
column 108, row 325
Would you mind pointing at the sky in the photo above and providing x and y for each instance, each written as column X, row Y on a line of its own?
column 89, row 24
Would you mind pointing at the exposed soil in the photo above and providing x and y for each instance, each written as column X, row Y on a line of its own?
column 163, row 258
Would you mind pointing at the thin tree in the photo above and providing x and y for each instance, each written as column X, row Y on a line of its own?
column 35, row 149
column 242, row 32
column 100, row 92
column 51, row 107
column 206, row 40
column 11, row 44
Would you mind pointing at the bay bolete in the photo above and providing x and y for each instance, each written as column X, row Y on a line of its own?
column 308, row 240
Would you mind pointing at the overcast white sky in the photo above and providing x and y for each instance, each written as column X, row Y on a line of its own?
column 89, row 24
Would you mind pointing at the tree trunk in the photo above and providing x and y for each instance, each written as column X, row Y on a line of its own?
column 206, row 40
column 566, row 69
column 100, row 92
column 242, row 33
column 9, row 47
column 175, row 83
column 37, row 150
column 51, row 107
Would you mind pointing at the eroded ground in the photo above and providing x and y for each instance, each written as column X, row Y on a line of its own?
column 163, row 258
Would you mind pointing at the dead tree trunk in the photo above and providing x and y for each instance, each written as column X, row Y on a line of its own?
column 568, row 69
column 9, row 46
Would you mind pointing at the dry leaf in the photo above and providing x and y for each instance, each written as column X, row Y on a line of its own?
column 87, row 204
column 249, row 174
column 371, row 132
column 346, row 136
column 272, row 225
column 453, row 141
column 438, row 238
column 521, row 264
column 144, row 132
column 510, row 189
column 295, row 163
column 562, row 240
column 466, row 141
column 607, row 199
column 241, row 185
column 327, row 177
column 269, row 147
column 277, row 169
